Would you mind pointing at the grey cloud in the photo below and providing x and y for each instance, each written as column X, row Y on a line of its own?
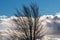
column 54, row 25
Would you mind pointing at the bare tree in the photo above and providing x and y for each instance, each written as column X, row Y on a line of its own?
column 29, row 23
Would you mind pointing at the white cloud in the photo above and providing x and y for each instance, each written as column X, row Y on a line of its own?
column 6, row 22
column 3, row 17
column 58, row 14
column 52, row 22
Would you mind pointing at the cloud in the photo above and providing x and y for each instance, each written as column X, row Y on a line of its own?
column 53, row 23
column 57, row 14
column 6, row 22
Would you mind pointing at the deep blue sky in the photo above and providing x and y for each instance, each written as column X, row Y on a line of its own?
column 46, row 7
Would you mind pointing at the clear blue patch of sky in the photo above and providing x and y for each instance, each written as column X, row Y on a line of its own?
column 46, row 7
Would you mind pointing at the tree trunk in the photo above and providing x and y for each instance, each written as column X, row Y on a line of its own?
column 34, row 28
column 30, row 33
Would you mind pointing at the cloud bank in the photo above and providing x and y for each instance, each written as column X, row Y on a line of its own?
column 52, row 23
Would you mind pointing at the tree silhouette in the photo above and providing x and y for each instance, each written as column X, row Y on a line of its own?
column 29, row 23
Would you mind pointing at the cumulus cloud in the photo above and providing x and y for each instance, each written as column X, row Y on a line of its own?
column 53, row 23
column 6, row 22
column 58, row 14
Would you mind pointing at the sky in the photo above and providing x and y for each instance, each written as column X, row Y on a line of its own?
column 46, row 7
